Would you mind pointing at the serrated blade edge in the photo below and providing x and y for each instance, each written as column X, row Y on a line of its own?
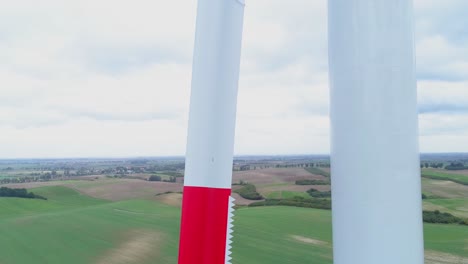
column 229, row 229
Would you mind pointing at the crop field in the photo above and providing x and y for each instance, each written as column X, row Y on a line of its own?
column 272, row 182
column 318, row 171
column 444, row 189
column 457, row 207
column 124, row 189
column 459, row 177
column 459, row 172
column 75, row 228
column 76, row 225
column 275, row 176
column 111, row 220
column 287, row 195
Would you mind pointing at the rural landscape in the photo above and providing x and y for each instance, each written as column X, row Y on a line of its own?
column 128, row 210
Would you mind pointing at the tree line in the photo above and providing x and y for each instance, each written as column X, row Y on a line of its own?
column 317, row 194
column 432, row 165
column 442, row 218
column 456, row 166
column 296, row 202
column 312, row 182
column 158, row 178
column 249, row 191
column 19, row 193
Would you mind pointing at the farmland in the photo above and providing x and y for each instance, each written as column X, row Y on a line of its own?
column 126, row 219
column 75, row 228
column 455, row 176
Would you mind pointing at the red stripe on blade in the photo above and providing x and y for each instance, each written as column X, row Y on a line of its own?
column 204, row 225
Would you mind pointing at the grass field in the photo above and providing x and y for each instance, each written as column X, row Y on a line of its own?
column 457, row 207
column 446, row 191
column 74, row 228
column 286, row 195
column 443, row 175
column 318, row 171
column 282, row 235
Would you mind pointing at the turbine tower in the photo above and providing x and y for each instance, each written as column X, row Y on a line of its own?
column 377, row 215
column 207, row 204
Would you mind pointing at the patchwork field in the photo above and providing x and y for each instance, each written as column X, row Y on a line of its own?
column 124, row 189
column 445, row 195
column 133, row 221
column 444, row 189
column 273, row 176
column 275, row 182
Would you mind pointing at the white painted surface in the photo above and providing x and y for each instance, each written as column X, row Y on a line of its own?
column 215, row 77
column 375, row 160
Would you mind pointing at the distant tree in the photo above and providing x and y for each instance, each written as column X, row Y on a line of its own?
column 317, row 194
column 456, row 166
column 249, row 191
column 442, row 218
column 171, row 179
column 312, row 182
column 154, row 178
column 244, row 167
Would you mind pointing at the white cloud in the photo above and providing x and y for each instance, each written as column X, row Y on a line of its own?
column 440, row 59
column 443, row 93
column 112, row 78
column 95, row 138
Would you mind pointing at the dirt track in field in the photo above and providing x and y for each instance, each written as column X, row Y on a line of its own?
column 309, row 240
column 460, row 172
column 138, row 247
column 172, row 199
column 434, row 257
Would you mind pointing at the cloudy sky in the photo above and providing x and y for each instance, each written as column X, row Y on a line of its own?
column 90, row 78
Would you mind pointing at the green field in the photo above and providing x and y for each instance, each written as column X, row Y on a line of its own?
column 441, row 175
column 457, row 207
column 273, row 235
column 74, row 228
column 287, row 195
column 444, row 189
column 317, row 171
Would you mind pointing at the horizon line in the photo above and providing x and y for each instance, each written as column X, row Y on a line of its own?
column 183, row 156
